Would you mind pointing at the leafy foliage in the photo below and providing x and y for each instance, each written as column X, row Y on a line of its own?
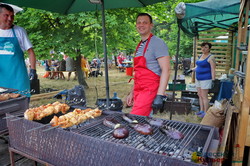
column 81, row 33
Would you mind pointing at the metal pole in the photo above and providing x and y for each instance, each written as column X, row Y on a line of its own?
column 175, row 72
column 194, row 59
column 105, row 54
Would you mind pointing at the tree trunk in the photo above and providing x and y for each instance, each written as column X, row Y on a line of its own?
column 80, row 75
column 116, row 64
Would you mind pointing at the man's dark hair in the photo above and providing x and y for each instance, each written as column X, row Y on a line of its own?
column 145, row 14
column 206, row 43
column 7, row 7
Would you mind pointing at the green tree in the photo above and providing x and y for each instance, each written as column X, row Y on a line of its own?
column 81, row 33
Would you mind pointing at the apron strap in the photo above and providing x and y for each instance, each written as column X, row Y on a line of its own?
column 146, row 47
column 13, row 32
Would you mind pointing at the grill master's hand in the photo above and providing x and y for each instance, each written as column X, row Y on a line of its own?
column 32, row 74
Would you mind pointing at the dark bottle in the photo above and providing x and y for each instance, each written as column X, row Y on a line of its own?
column 116, row 103
column 115, row 96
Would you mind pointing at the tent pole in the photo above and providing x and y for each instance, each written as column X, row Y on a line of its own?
column 105, row 54
column 175, row 72
column 194, row 58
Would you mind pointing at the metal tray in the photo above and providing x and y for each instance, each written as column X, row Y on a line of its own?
column 8, row 90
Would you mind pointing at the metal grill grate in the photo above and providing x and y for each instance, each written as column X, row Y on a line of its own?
column 158, row 142
column 95, row 142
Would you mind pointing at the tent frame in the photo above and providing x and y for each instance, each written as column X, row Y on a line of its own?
column 242, row 136
column 243, row 128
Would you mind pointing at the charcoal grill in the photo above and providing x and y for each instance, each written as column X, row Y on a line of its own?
column 17, row 106
column 93, row 144
column 196, row 137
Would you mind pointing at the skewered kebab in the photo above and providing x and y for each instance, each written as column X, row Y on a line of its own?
column 141, row 128
column 74, row 118
column 6, row 96
column 38, row 113
column 119, row 131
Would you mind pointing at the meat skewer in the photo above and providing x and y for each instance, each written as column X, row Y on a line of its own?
column 74, row 118
column 42, row 126
column 119, row 131
column 141, row 128
column 6, row 96
column 45, row 110
column 51, row 128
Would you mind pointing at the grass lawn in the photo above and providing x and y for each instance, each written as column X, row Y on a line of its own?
column 118, row 82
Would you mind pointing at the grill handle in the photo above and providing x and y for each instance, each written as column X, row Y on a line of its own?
column 9, row 108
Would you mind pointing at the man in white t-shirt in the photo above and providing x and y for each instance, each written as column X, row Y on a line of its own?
column 13, row 42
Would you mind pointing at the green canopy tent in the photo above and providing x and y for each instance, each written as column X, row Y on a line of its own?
column 209, row 14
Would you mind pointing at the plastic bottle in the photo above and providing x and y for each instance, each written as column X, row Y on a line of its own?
column 115, row 96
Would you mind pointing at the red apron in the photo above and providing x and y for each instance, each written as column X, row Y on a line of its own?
column 146, row 84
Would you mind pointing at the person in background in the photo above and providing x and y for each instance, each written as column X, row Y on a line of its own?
column 120, row 59
column 14, row 41
column 109, row 61
column 85, row 66
column 205, row 74
column 54, row 68
column 152, row 70
column 61, row 68
column 96, row 63
column 130, row 57
column 70, row 67
column 47, row 64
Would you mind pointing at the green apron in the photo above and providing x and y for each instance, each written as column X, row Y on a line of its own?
column 13, row 71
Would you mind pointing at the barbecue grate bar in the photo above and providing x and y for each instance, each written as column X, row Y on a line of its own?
column 157, row 143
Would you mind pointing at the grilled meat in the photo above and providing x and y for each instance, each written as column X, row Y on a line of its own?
column 141, row 128
column 110, row 122
column 129, row 118
column 120, row 131
column 171, row 132
column 38, row 113
column 74, row 118
column 6, row 96
column 14, row 95
column 154, row 121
